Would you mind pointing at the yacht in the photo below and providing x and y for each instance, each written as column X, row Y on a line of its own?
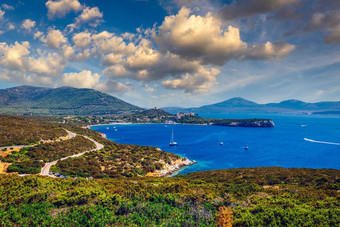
column 172, row 142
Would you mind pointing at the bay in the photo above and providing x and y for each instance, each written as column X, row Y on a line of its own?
column 309, row 141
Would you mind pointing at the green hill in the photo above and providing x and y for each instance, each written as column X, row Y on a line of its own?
column 61, row 101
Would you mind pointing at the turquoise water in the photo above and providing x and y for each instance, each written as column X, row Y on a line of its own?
column 295, row 141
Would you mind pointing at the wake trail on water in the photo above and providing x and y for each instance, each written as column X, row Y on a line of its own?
column 324, row 142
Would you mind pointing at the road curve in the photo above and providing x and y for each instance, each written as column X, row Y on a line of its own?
column 46, row 169
column 70, row 135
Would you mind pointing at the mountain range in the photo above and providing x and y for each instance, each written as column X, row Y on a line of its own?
column 83, row 101
column 61, row 101
column 240, row 105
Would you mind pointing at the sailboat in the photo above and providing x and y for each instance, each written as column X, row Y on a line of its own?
column 172, row 142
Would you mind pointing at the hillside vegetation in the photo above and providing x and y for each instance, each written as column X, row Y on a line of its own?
column 114, row 160
column 117, row 160
column 16, row 130
column 242, row 197
column 61, row 101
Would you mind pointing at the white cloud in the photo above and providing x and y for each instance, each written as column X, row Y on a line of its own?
column 194, row 83
column 89, row 14
column 28, row 24
column 50, row 65
column 38, row 35
column 11, row 56
column 68, row 51
column 92, row 16
column 54, row 38
column 11, row 26
column 116, row 71
column 268, row 50
column 144, row 56
column 87, row 79
column 7, row 7
column 82, row 39
column 2, row 13
column 113, row 86
column 61, row 7
column 83, row 79
column 113, row 59
column 206, row 39
column 196, row 37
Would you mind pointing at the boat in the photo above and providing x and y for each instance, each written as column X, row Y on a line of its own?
column 221, row 143
column 107, row 127
column 245, row 147
column 116, row 130
column 172, row 142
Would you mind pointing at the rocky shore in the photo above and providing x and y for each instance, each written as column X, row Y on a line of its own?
column 171, row 168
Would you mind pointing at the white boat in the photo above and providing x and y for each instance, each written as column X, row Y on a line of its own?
column 245, row 147
column 172, row 142
column 221, row 143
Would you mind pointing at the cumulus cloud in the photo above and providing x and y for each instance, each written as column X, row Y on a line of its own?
column 28, row 24
column 144, row 56
column 16, row 65
column 50, row 64
column 91, row 16
column 54, row 38
column 11, row 56
column 197, row 37
column 248, row 8
column 87, row 79
column 83, row 79
column 7, row 7
column 198, row 82
column 62, row 7
column 207, row 40
column 82, row 39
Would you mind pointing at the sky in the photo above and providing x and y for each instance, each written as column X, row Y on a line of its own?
column 183, row 53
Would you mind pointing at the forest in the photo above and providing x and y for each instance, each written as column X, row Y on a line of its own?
column 270, row 196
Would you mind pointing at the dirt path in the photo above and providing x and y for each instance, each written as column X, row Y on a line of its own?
column 46, row 169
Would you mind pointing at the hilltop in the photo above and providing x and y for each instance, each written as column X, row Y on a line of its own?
column 61, row 101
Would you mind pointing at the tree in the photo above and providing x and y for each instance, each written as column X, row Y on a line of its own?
column 225, row 217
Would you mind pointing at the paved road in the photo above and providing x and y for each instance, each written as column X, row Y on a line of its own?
column 69, row 136
column 46, row 169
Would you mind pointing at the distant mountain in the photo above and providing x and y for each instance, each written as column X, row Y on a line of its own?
column 61, row 101
column 237, row 105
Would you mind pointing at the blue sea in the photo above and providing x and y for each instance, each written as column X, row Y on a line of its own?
column 309, row 141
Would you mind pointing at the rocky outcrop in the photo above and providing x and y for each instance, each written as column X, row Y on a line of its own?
column 169, row 169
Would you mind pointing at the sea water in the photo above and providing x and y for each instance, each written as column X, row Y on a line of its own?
column 296, row 141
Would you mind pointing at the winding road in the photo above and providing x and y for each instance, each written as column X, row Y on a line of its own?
column 69, row 136
column 46, row 169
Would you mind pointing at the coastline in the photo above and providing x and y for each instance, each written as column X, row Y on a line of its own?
column 170, row 169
